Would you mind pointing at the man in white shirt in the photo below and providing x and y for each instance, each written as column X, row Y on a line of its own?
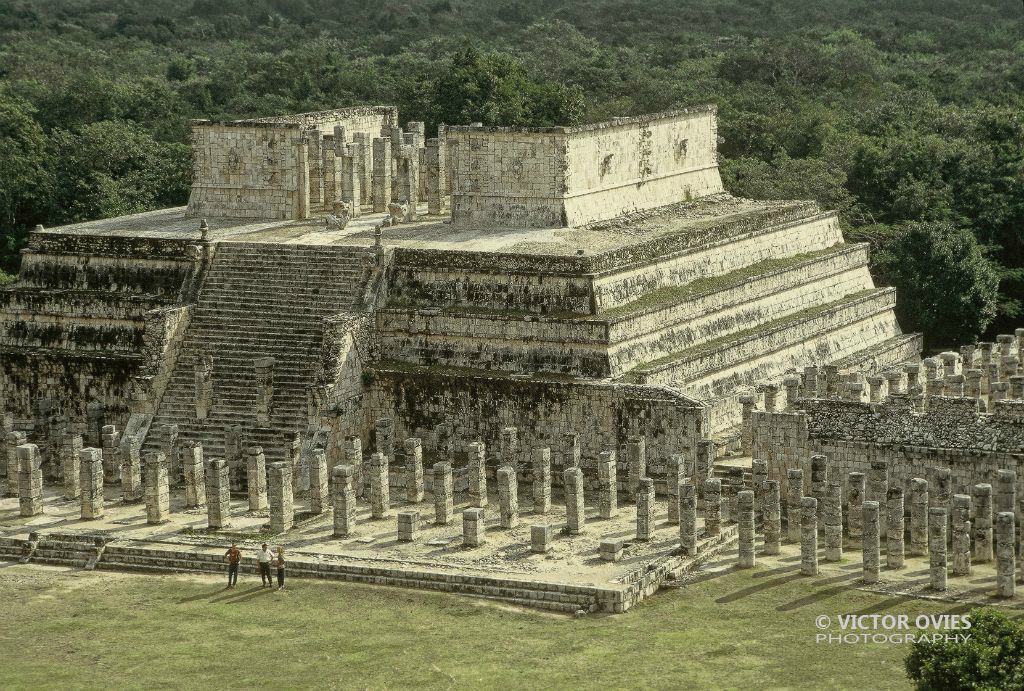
column 263, row 557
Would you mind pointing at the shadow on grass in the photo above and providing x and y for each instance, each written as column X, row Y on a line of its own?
column 764, row 585
column 230, row 595
column 203, row 596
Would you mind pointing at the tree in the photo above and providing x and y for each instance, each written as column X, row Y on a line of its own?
column 992, row 658
column 947, row 287
column 22, row 176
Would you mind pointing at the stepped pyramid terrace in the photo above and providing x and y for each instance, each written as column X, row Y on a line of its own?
column 351, row 319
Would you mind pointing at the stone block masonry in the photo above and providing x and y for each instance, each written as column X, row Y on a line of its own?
column 982, row 500
column 1005, row 557
column 111, row 454
column 918, row 517
column 131, row 471
column 343, row 487
column 674, row 476
column 91, row 470
column 745, row 558
column 795, row 477
column 854, row 499
column 413, row 470
column 218, row 494
column 158, row 488
column 541, row 480
column 960, row 542
column 937, row 555
column 195, row 475
column 610, row 549
column 30, row 480
column 319, row 492
column 772, row 518
column 809, row 536
column 608, row 487
column 712, row 507
column 508, row 497
column 636, row 461
column 408, row 525
column 279, row 489
column 473, row 527
column 833, row 516
column 444, row 494
column 256, row 478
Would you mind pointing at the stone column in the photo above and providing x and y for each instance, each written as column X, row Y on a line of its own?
column 279, row 489
column 435, row 172
column 292, row 443
column 541, row 480
column 354, row 460
column 91, row 481
column 12, row 441
column 413, row 470
column 772, row 518
column 131, row 471
column 218, row 494
column 636, row 458
column 1006, row 491
column 705, row 464
column 734, row 486
column 256, row 478
column 645, row 509
column 688, row 519
column 913, row 372
column 204, row 385
column 759, row 472
column 158, row 489
column 894, row 545
column 893, row 381
column 854, row 499
column 809, row 536
column 794, row 495
column 384, row 437
column 749, row 403
column 918, row 517
column 1017, row 387
column 792, row 384
column 70, row 452
column 195, row 479
column 855, row 391
column 819, row 482
column 574, row 507
column 473, row 527
column 607, row 493
column 972, row 383
column 408, row 525
column 982, row 500
column 1008, row 368
column 745, row 518
column 380, row 491
column 381, row 180
column 937, row 559
column 1006, row 563
column 444, row 495
column 1019, row 335
column 477, row 473
column 673, row 478
column 870, row 555
column 508, row 497
column 319, row 492
column 30, row 480
column 712, row 507
column 111, row 456
column 570, row 450
column 961, row 540
column 508, row 452
column 950, row 363
column 967, row 356
column 344, row 496
column 833, row 514
column 540, row 539
column 878, row 487
column 998, row 393
column 875, row 388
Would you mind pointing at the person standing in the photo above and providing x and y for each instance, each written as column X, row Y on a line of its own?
column 264, row 558
column 233, row 557
column 280, row 568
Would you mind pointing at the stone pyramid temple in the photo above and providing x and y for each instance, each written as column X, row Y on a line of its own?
column 585, row 285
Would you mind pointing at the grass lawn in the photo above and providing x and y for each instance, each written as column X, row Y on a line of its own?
column 726, row 629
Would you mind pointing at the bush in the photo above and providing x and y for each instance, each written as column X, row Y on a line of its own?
column 992, row 658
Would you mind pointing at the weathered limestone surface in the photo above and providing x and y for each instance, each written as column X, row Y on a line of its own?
column 687, row 512
column 444, row 494
column 809, row 536
column 131, row 471
column 256, row 478
column 870, row 548
column 508, row 497
column 833, row 516
column 745, row 560
column 982, row 499
column 413, row 470
column 918, row 517
column 854, row 500
column 795, row 482
column 1005, row 557
column 477, row 474
column 645, row 509
column 636, row 462
column 91, row 470
column 607, row 502
column 195, row 476
column 540, row 538
column 894, row 543
column 279, row 491
column 70, row 451
column 408, row 525
column 937, row 555
column 712, row 507
column 319, row 491
column 574, row 508
column 380, row 493
column 343, row 488
column 12, row 441
column 158, row 489
column 473, row 528
column 541, row 480
column 772, row 518
column 960, row 542
column 218, row 494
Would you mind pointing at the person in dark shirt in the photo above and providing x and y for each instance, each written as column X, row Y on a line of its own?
column 233, row 557
column 279, row 562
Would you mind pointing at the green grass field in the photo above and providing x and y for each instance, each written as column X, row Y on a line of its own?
column 755, row 629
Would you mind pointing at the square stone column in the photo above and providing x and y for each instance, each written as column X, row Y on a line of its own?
column 319, row 497
column 540, row 539
column 354, row 459
column 70, row 461
column 473, row 528
column 508, row 497
column 435, row 177
column 636, row 463
column 380, row 491
column 645, row 509
column 195, row 475
column 218, row 494
column 381, row 182
column 343, row 482
column 408, row 525
column 91, row 481
column 607, row 498
column 477, row 472
column 111, row 454
column 575, row 517
column 11, row 443
column 131, row 472
column 541, row 480
column 256, row 478
column 444, row 495
column 30, row 480
column 413, row 470
column 158, row 489
column 279, row 491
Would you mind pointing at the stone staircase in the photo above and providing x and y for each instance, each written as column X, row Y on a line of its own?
column 259, row 300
